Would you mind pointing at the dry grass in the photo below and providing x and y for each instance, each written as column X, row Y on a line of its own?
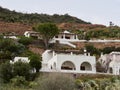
column 18, row 28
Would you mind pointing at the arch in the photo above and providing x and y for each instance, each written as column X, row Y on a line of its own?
column 86, row 66
column 68, row 65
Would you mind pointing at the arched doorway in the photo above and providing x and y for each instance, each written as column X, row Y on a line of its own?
column 85, row 66
column 68, row 65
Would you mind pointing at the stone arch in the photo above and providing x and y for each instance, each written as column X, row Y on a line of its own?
column 86, row 66
column 68, row 65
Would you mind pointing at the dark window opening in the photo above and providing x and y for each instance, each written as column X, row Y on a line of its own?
column 56, row 36
column 82, row 68
column 66, row 68
column 67, row 37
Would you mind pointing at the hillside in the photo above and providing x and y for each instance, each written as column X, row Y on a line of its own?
column 17, row 28
column 12, row 21
column 78, row 26
column 13, row 16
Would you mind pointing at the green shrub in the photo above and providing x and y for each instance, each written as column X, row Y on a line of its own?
column 56, row 82
column 19, row 81
column 21, row 69
column 6, row 72
column 25, row 40
column 35, row 62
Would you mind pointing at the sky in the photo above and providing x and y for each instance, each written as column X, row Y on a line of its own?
column 94, row 11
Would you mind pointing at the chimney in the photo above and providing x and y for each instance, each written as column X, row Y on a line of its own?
column 88, row 54
column 71, row 53
column 85, row 52
column 53, row 53
column 101, row 54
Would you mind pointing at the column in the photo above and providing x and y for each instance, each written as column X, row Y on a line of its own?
column 64, row 36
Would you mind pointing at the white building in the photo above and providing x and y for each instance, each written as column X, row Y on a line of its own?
column 22, row 59
column 111, row 62
column 11, row 35
column 32, row 34
column 66, row 38
column 68, row 63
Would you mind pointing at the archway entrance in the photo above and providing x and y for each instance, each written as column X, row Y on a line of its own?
column 68, row 65
column 85, row 66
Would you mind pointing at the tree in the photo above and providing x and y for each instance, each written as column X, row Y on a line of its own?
column 6, row 71
column 90, row 48
column 25, row 40
column 10, row 48
column 35, row 62
column 48, row 31
column 21, row 69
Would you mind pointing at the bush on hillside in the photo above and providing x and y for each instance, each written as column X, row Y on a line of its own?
column 56, row 82
column 25, row 40
column 6, row 72
column 21, row 69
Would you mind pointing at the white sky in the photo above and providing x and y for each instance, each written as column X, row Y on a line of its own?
column 94, row 11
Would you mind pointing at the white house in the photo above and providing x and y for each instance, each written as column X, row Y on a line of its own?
column 11, row 35
column 22, row 59
column 66, row 38
column 68, row 63
column 111, row 62
column 32, row 34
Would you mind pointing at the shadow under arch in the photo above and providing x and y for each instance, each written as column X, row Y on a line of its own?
column 68, row 65
column 86, row 66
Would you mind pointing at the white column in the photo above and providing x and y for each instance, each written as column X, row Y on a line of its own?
column 85, row 52
column 88, row 54
column 76, row 37
column 64, row 36
column 114, row 57
column 71, row 53
column 53, row 53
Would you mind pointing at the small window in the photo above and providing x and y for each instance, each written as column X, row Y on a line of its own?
column 56, row 36
column 67, row 37
column 51, row 67
column 110, row 70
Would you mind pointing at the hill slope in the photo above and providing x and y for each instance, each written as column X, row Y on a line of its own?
column 13, row 16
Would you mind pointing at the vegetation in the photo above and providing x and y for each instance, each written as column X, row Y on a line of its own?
column 35, row 62
column 8, row 70
column 48, row 31
column 9, row 49
column 21, row 69
column 95, row 51
column 57, row 81
column 25, row 40
column 13, row 16
column 101, row 33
